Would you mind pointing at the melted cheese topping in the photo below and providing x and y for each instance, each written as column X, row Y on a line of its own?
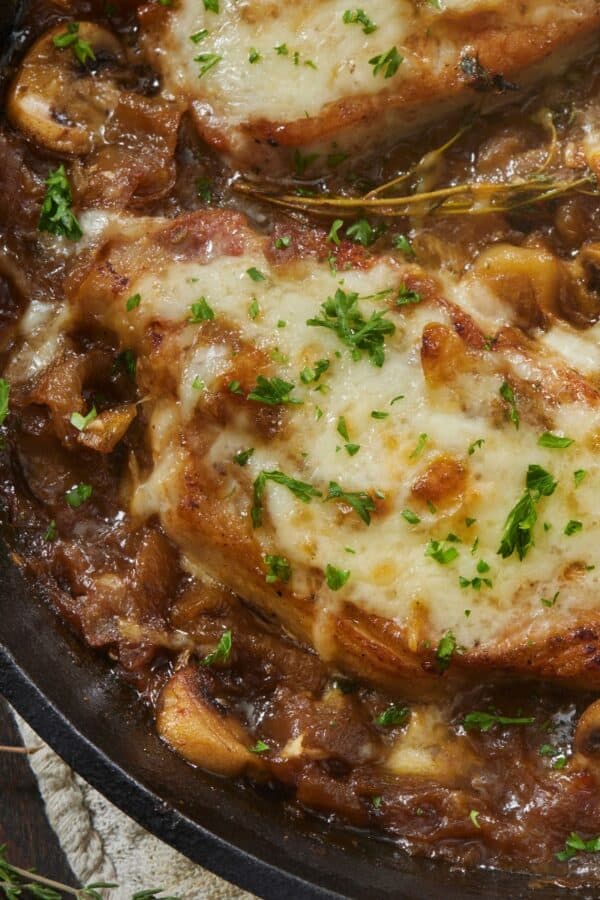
column 417, row 423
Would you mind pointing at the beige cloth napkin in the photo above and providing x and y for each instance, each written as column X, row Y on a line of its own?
column 103, row 844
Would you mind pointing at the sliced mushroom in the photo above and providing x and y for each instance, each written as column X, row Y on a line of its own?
column 428, row 748
column 580, row 298
column 527, row 279
column 61, row 103
column 193, row 725
column 105, row 432
column 586, row 743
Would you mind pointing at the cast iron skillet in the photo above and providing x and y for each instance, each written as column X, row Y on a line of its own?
column 75, row 702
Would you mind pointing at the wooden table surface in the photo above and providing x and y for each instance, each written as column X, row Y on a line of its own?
column 23, row 825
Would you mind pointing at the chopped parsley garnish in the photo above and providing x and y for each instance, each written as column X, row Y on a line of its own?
column 392, row 716
column 235, row 387
column 200, row 312
column 572, row 527
column 378, row 414
column 81, row 422
column 388, row 63
column 51, row 532
column 334, row 237
column 82, row 50
column 484, row 721
column 272, row 391
column 478, row 581
column 518, row 529
column 359, row 17
column 4, row 397
column 576, row 844
column 133, row 302
column 259, row 747
column 376, row 801
column 578, row 476
column 78, row 495
column 253, row 55
column 550, row 601
column 198, row 384
column 207, row 62
column 442, row 554
column 361, row 502
column 402, row 243
column 127, row 362
column 199, row 36
column 507, row 394
column 211, row 5
column 255, row 275
column 300, row 489
column 554, row 441
column 341, row 315
column 474, row 816
column 420, row 446
column 411, row 517
column 56, row 216
column 222, row 651
column 342, row 428
column 242, row 456
column 278, row 569
column 352, row 449
column 254, row 309
column 203, row 189
column 540, row 482
column 362, row 232
column 476, row 445
column 336, row 578
column 281, row 243
column 310, row 374
column 445, row 650
column 406, row 296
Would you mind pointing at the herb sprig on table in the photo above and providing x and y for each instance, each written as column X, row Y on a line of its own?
column 16, row 882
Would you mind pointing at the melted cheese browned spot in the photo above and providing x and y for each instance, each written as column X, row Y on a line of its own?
column 439, row 455
column 264, row 79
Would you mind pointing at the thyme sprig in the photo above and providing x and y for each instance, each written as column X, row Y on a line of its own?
column 15, row 882
column 472, row 198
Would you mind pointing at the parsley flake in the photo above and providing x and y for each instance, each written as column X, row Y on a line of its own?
column 388, row 63
column 342, row 316
column 359, row 17
column 82, row 50
column 392, row 716
column 484, row 721
column 445, row 650
column 300, row 489
column 242, row 456
column 278, row 569
column 507, row 394
column 200, row 312
column 361, row 502
column 81, row 422
column 78, row 495
column 554, row 441
column 222, row 651
column 336, row 578
column 272, row 391
column 56, row 216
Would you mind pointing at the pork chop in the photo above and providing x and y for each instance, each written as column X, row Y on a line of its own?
column 310, row 85
column 349, row 452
